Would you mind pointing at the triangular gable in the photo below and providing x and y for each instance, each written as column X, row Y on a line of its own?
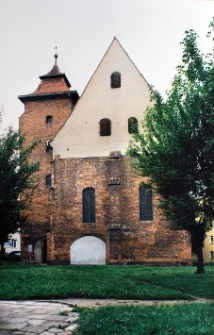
column 114, row 39
column 80, row 135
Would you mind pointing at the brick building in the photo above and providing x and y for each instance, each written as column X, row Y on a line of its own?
column 90, row 208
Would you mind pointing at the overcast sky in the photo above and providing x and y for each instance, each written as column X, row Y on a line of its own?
column 149, row 30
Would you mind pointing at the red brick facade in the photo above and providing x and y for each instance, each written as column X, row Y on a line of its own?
column 33, row 124
column 128, row 240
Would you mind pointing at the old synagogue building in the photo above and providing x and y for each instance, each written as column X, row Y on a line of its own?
column 89, row 207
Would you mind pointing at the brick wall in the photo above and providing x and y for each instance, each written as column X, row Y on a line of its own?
column 117, row 223
column 33, row 126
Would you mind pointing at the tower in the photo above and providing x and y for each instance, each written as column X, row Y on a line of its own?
column 46, row 110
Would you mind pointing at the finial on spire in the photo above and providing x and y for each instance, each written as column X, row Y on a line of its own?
column 56, row 55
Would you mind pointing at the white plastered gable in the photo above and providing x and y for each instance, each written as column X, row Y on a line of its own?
column 79, row 136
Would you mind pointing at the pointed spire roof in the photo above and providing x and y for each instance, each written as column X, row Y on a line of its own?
column 55, row 73
column 53, row 84
column 53, row 81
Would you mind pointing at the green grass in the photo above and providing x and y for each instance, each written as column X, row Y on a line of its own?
column 196, row 319
column 29, row 281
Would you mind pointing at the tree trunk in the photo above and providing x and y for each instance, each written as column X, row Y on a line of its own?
column 200, row 264
column 1, row 252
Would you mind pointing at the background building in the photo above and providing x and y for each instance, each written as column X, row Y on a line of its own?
column 208, row 250
column 13, row 243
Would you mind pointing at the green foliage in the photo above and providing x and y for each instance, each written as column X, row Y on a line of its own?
column 26, row 281
column 194, row 319
column 17, row 182
column 176, row 148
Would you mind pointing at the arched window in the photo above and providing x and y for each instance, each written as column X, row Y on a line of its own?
column 132, row 124
column 146, row 210
column 105, row 127
column 88, row 205
column 115, row 80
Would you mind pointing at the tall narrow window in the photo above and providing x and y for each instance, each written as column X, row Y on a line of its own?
column 48, row 180
column 211, row 239
column 211, row 255
column 105, row 127
column 88, row 205
column 115, row 80
column 132, row 125
column 146, row 210
column 48, row 120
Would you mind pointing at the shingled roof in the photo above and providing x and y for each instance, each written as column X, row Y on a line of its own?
column 53, row 85
column 55, row 73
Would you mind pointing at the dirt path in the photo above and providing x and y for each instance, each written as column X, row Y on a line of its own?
column 90, row 303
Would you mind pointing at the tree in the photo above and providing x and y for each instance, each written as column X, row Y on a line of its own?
column 176, row 148
column 17, row 183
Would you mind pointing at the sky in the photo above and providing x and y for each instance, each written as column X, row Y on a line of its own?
column 149, row 30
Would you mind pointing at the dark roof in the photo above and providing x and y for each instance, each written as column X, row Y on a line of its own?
column 72, row 95
column 55, row 73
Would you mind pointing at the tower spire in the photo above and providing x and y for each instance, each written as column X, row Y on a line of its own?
column 56, row 55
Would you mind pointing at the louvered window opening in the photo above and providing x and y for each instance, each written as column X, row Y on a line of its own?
column 105, row 127
column 88, row 206
column 146, row 208
column 115, row 80
column 132, row 125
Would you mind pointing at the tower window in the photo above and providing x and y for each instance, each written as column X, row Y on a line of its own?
column 211, row 239
column 146, row 210
column 132, row 125
column 48, row 180
column 88, row 205
column 49, row 120
column 105, row 127
column 49, row 148
column 115, row 80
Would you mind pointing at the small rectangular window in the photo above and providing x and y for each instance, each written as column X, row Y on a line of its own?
column 49, row 120
column 211, row 239
column 48, row 180
column 49, row 148
column 211, row 255
column 14, row 243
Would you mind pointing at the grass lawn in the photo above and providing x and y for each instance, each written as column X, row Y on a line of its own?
column 29, row 281
column 196, row 319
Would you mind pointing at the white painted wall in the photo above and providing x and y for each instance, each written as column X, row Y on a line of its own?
column 88, row 250
column 79, row 137
column 9, row 246
column 208, row 246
